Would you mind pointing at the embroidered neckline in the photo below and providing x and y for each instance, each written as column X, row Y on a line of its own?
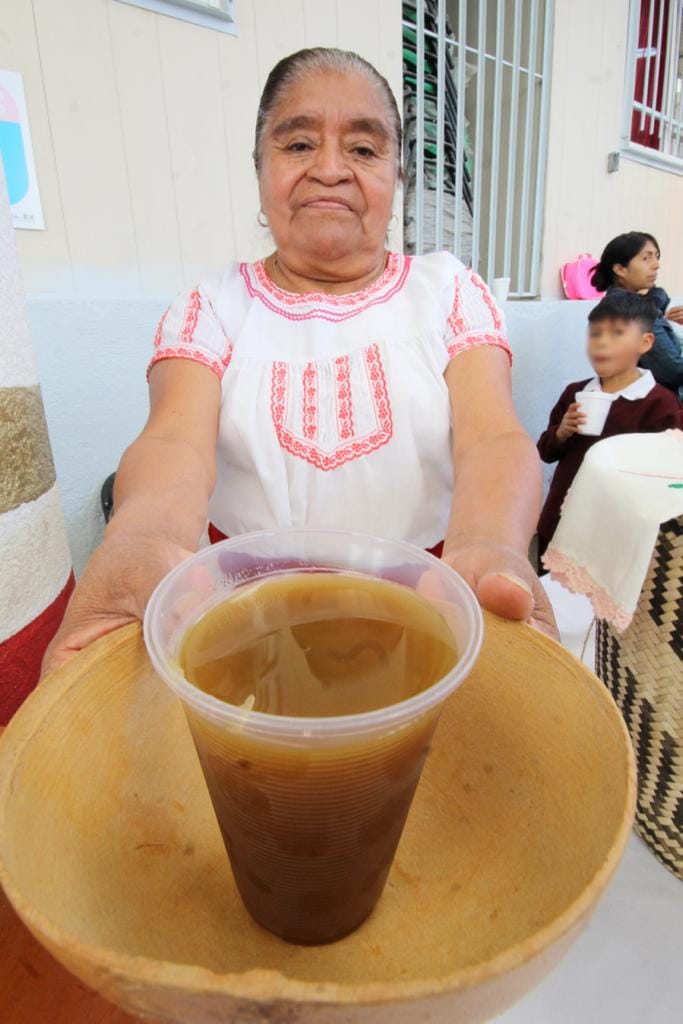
column 266, row 282
column 307, row 305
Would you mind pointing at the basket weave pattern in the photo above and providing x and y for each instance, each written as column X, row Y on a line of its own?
column 643, row 669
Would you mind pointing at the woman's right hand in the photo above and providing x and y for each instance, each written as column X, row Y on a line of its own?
column 113, row 590
column 571, row 421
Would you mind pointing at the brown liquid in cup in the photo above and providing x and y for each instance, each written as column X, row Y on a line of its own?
column 311, row 825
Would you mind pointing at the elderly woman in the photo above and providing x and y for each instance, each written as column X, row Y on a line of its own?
column 332, row 384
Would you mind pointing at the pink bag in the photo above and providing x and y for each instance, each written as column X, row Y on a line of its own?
column 576, row 278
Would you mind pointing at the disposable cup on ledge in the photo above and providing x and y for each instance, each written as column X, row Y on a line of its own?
column 500, row 289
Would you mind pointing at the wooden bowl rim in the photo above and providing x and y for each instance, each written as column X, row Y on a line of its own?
column 268, row 985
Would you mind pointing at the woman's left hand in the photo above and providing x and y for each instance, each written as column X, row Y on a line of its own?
column 675, row 314
column 504, row 583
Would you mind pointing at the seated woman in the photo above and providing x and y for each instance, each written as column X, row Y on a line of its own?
column 332, row 384
column 631, row 262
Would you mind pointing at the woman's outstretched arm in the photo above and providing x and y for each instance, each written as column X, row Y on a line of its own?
column 497, row 490
column 163, row 485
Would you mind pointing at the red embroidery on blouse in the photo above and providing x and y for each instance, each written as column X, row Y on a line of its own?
column 184, row 353
column 380, row 392
column 476, row 338
column 354, row 447
column 344, row 399
column 310, row 410
column 488, row 299
column 227, row 351
column 321, row 305
column 194, row 304
column 160, row 329
column 456, row 320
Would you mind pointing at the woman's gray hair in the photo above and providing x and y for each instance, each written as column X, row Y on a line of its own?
column 320, row 58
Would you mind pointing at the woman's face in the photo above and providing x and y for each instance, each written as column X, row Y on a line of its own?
column 640, row 273
column 328, row 172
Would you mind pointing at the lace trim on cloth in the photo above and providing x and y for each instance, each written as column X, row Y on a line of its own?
column 197, row 356
column 578, row 580
column 476, row 338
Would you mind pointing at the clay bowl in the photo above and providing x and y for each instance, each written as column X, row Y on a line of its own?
column 110, row 853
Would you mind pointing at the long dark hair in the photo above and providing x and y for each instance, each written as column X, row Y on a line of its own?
column 621, row 250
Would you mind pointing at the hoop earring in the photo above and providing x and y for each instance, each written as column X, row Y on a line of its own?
column 262, row 222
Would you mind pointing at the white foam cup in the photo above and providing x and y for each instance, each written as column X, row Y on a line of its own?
column 595, row 406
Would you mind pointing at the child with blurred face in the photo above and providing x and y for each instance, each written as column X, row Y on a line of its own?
column 620, row 332
column 630, row 263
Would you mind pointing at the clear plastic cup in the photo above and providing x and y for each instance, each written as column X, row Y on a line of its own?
column 311, row 809
column 595, row 405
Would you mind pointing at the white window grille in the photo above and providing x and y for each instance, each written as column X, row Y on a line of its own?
column 216, row 14
column 476, row 96
column 653, row 109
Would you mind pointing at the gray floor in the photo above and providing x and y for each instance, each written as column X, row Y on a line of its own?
column 627, row 967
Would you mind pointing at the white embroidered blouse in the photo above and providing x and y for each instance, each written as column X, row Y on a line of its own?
column 334, row 408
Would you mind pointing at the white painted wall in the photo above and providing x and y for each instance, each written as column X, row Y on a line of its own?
column 96, row 404
column 92, row 358
column 585, row 206
column 143, row 125
column 143, row 128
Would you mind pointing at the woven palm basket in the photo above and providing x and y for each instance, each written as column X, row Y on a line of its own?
column 643, row 668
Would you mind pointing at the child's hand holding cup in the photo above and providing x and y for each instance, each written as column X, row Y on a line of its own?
column 571, row 423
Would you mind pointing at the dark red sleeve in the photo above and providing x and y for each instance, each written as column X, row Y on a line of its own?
column 549, row 448
column 664, row 412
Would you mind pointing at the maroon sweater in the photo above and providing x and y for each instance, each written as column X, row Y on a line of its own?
column 660, row 410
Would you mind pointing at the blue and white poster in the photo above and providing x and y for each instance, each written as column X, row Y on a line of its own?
column 16, row 154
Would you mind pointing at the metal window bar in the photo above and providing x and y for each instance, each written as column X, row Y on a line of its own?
column 460, row 123
column 659, row 115
column 663, row 43
column 420, row 144
column 512, row 150
column 675, row 62
column 479, row 135
column 476, row 105
column 528, row 137
column 541, row 152
column 669, row 109
column 495, row 147
column 440, row 117
column 658, row 52
column 648, row 57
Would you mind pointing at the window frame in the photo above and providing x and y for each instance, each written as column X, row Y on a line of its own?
column 633, row 150
column 193, row 11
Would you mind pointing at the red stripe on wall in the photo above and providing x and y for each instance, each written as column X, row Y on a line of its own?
column 21, row 654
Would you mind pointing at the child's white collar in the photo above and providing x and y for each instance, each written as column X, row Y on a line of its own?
column 638, row 389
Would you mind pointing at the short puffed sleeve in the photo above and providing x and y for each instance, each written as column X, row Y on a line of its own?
column 474, row 317
column 190, row 329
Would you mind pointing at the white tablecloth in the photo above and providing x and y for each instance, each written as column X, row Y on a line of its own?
column 625, row 489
